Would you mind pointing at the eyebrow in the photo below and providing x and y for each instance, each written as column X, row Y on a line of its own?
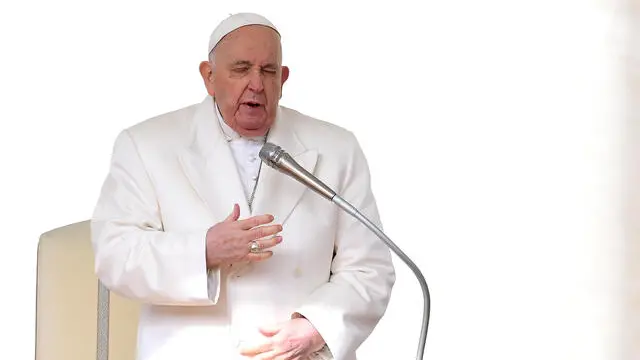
column 241, row 62
column 248, row 63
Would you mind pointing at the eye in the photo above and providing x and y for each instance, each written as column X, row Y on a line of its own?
column 241, row 69
column 269, row 70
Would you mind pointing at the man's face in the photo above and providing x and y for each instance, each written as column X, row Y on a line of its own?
column 246, row 78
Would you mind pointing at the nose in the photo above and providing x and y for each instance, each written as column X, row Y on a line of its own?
column 256, row 82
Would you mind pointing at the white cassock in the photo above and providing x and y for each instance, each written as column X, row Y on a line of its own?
column 174, row 176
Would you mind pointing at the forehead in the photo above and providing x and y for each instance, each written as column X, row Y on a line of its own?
column 255, row 43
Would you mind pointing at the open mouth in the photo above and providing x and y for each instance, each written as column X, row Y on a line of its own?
column 252, row 104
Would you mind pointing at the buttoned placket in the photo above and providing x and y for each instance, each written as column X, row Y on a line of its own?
column 245, row 154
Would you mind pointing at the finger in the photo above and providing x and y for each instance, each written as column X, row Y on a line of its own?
column 262, row 232
column 282, row 354
column 269, row 242
column 254, row 221
column 235, row 214
column 270, row 330
column 278, row 353
column 260, row 256
column 269, row 355
column 256, row 348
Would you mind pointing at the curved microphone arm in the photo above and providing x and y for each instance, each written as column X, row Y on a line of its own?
column 344, row 205
column 277, row 158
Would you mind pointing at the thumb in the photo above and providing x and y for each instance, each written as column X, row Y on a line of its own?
column 235, row 214
column 270, row 330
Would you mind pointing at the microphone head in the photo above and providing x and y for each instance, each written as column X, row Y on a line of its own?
column 271, row 154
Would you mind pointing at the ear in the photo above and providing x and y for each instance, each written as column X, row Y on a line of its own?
column 285, row 74
column 206, row 71
column 283, row 78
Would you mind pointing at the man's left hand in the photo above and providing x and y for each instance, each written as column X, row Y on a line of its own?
column 295, row 339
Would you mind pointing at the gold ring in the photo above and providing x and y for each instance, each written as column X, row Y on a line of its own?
column 254, row 247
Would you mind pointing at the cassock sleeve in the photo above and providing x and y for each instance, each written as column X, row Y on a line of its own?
column 347, row 308
column 134, row 256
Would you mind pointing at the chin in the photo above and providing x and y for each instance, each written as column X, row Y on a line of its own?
column 251, row 125
column 252, row 129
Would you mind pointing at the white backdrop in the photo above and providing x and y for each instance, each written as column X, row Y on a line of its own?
column 493, row 131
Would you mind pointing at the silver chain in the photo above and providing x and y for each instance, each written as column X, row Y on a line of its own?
column 255, row 186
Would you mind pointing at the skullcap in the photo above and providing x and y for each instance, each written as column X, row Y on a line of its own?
column 234, row 22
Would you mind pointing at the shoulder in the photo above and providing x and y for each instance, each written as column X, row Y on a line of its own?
column 343, row 163
column 319, row 133
column 162, row 134
column 168, row 128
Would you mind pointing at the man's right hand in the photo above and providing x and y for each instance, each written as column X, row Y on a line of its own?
column 230, row 240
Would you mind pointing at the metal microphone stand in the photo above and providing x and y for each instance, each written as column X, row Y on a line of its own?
column 344, row 205
column 274, row 156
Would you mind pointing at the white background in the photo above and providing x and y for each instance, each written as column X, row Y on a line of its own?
column 494, row 131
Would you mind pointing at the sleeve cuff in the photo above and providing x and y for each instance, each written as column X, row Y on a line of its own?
column 204, row 282
column 213, row 284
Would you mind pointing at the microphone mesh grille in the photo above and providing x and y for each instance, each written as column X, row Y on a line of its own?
column 270, row 153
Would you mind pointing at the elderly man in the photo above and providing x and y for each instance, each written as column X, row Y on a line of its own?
column 230, row 258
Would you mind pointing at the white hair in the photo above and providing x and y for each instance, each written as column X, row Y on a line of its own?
column 212, row 58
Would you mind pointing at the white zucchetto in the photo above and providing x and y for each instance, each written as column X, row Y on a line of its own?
column 234, row 22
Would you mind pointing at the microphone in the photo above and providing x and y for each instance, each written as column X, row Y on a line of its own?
column 275, row 157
